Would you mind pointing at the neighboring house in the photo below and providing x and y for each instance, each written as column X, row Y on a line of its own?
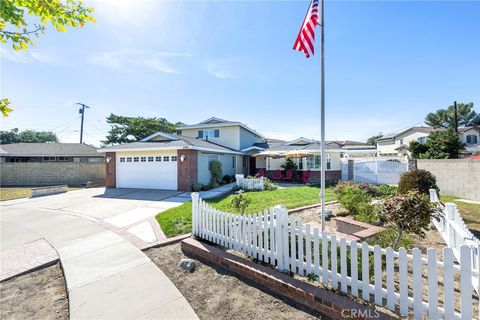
column 354, row 149
column 33, row 164
column 272, row 158
column 176, row 162
column 396, row 144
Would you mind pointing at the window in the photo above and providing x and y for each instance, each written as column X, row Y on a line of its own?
column 122, row 159
column 210, row 133
column 48, row 158
column 62, row 159
column 129, row 159
column 471, row 139
column 166, row 158
column 174, row 158
column 422, row 139
column 313, row 162
column 143, row 159
column 233, row 161
column 158, row 158
column 150, row 159
column 329, row 163
column 135, row 159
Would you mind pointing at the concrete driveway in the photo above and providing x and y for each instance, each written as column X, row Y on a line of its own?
column 107, row 275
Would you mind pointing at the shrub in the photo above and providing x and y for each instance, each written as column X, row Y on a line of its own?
column 227, row 179
column 366, row 188
column 420, row 180
column 351, row 198
column 367, row 213
column 197, row 187
column 407, row 213
column 289, row 164
column 215, row 168
column 386, row 190
column 240, row 202
column 269, row 185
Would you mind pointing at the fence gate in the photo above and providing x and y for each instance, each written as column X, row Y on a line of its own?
column 376, row 171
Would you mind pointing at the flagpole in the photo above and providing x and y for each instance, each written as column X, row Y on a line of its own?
column 322, row 115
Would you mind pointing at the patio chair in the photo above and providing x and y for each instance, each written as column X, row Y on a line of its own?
column 277, row 175
column 306, row 176
column 288, row 175
column 261, row 173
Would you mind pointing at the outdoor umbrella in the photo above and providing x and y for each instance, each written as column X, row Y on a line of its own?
column 298, row 154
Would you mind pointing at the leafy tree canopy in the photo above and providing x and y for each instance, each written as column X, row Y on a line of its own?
column 443, row 144
column 128, row 129
column 373, row 140
column 444, row 118
column 18, row 29
column 31, row 136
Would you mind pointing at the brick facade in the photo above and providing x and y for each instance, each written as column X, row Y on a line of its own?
column 50, row 173
column 111, row 178
column 187, row 170
column 321, row 302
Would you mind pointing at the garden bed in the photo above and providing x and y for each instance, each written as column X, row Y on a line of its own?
column 39, row 294
column 216, row 294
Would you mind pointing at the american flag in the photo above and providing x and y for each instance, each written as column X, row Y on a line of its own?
column 306, row 37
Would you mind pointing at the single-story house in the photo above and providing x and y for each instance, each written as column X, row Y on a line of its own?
column 34, row 164
column 272, row 158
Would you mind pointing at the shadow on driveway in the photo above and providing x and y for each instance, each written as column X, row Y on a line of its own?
column 138, row 194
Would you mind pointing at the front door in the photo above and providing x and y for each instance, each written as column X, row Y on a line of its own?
column 252, row 166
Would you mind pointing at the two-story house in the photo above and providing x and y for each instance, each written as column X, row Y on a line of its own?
column 396, row 144
column 177, row 161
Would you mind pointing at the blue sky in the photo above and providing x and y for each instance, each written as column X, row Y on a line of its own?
column 387, row 65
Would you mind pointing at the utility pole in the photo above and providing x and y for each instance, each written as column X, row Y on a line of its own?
column 82, row 111
column 455, row 116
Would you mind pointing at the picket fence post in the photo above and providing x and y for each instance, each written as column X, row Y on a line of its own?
column 195, row 197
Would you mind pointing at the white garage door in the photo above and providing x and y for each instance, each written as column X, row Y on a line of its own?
column 147, row 172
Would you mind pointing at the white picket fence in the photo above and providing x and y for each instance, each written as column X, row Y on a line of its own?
column 400, row 281
column 455, row 233
column 250, row 183
column 376, row 171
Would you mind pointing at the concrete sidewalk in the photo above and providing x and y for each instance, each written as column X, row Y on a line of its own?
column 107, row 276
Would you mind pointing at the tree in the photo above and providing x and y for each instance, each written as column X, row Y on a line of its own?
column 29, row 136
column 128, row 129
column 417, row 149
column 445, row 118
column 19, row 29
column 373, row 140
column 443, row 145
column 410, row 212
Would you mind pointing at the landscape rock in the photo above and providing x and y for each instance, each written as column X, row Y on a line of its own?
column 187, row 264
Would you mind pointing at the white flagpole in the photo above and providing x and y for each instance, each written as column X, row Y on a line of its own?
column 322, row 115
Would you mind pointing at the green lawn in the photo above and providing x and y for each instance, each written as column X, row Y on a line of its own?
column 179, row 220
column 10, row 193
column 470, row 213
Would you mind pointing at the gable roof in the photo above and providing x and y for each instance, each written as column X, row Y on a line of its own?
column 298, row 141
column 217, row 122
column 47, row 149
column 173, row 143
column 393, row 135
column 465, row 129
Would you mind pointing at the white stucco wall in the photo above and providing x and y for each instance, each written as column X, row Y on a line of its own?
column 229, row 136
column 388, row 147
column 247, row 139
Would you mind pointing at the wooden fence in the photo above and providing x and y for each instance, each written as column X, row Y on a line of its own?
column 405, row 283
column 456, row 234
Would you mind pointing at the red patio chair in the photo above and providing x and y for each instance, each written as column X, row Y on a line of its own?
column 288, row 175
column 277, row 175
column 261, row 173
column 306, row 176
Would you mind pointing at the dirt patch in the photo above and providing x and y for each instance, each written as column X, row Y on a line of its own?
column 215, row 294
column 37, row 295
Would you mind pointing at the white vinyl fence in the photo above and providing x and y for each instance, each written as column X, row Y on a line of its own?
column 395, row 279
column 250, row 183
column 456, row 234
column 375, row 170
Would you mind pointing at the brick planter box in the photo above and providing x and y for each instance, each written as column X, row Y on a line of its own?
column 318, row 301
column 356, row 230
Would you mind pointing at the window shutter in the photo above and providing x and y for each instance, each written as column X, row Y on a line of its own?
column 200, row 133
column 216, row 133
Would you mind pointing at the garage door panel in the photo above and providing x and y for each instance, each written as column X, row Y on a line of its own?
column 147, row 175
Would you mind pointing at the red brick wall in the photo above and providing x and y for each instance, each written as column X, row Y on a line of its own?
column 317, row 300
column 110, row 179
column 187, row 170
